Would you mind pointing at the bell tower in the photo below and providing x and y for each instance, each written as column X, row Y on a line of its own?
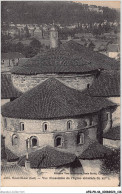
column 53, row 37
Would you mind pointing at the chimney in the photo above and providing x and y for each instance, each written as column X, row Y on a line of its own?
column 53, row 37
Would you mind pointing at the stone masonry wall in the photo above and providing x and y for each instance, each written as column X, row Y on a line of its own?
column 26, row 82
column 116, row 113
column 37, row 126
column 57, row 127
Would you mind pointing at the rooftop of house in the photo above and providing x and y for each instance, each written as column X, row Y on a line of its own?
column 95, row 151
column 113, row 133
column 68, row 54
column 7, row 89
column 11, row 55
column 106, row 85
column 48, row 157
column 52, row 99
column 6, row 154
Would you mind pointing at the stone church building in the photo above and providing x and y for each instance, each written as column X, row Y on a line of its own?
column 56, row 115
column 56, row 108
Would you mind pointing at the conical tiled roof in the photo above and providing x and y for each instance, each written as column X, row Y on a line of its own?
column 107, row 84
column 48, row 157
column 95, row 151
column 52, row 99
column 113, row 133
column 7, row 88
column 70, row 57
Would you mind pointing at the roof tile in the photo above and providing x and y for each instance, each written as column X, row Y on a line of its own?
column 52, row 99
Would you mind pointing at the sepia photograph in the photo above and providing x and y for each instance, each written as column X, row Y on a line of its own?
column 60, row 94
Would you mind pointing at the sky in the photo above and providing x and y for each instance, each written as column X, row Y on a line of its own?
column 111, row 4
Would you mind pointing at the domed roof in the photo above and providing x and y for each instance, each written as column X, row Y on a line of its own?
column 52, row 99
column 67, row 56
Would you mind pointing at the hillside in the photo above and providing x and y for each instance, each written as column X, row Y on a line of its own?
column 45, row 12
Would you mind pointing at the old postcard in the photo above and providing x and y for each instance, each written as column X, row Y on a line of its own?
column 60, row 94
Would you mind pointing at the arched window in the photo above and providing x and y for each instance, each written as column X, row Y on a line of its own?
column 21, row 126
column 14, row 139
column 80, row 138
column 90, row 120
column 88, row 86
column 69, row 125
column 59, row 141
column 33, row 141
column 108, row 115
column 45, row 127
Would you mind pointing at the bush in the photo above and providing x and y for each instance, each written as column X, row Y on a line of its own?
column 111, row 164
column 35, row 43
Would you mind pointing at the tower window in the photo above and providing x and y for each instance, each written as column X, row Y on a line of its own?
column 21, row 126
column 80, row 138
column 45, row 127
column 69, row 125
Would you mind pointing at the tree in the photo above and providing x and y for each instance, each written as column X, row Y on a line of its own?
column 29, row 51
column 112, row 163
column 19, row 47
column 26, row 32
column 35, row 43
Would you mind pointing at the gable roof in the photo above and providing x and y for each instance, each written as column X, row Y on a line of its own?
column 95, row 151
column 66, row 57
column 7, row 89
column 48, row 157
column 11, row 55
column 113, row 133
column 52, row 99
column 107, row 84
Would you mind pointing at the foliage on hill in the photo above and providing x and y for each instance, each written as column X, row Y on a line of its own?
column 46, row 12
